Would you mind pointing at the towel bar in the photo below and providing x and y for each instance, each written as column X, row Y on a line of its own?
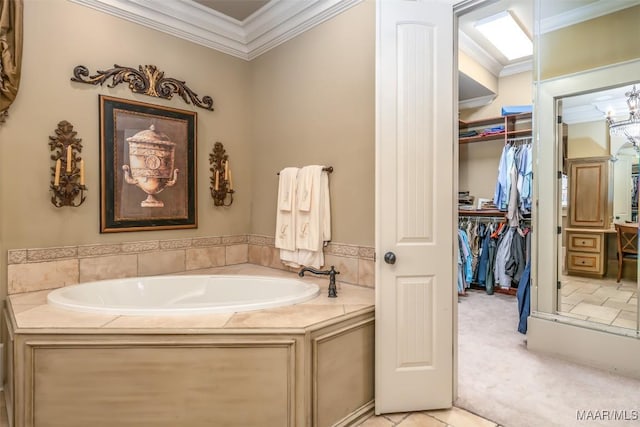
column 328, row 169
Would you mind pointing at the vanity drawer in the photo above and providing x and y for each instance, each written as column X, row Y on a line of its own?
column 584, row 262
column 585, row 242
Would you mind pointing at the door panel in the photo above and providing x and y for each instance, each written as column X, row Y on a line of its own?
column 414, row 205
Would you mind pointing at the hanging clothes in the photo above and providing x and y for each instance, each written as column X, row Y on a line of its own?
column 524, row 298
column 514, row 183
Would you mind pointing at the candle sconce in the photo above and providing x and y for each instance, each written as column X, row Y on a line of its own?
column 221, row 180
column 68, row 173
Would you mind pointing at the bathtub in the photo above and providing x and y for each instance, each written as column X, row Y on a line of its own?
column 310, row 364
column 194, row 294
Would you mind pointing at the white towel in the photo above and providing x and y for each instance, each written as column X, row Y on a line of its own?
column 285, row 215
column 312, row 219
column 309, row 209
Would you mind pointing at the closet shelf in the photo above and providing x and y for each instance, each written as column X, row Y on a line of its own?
column 515, row 125
column 482, row 212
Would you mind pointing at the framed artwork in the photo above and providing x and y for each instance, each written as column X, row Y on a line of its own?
column 147, row 166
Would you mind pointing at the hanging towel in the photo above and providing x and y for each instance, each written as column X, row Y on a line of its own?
column 312, row 219
column 310, row 209
column 285, row 215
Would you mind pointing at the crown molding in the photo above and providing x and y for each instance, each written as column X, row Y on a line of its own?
column 268, row 27
column 478, row 54
column 516, row 68
column 583, row 13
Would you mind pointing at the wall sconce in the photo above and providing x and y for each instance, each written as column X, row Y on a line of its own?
column 221, row 180
column 68, row 173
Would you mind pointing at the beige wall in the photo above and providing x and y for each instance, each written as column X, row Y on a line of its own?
column 313, row 103
column 60, row 35
column 478, row 168
column 477, row 72
column 590, row 44
column 310, row 100
column 590, row 139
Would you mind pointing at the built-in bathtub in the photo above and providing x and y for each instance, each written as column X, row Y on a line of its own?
column 193, row 294
column 307, row 364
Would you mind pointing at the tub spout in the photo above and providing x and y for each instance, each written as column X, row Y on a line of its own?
column 333, row 292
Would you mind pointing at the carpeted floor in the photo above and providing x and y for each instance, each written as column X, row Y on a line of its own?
column 499, row 379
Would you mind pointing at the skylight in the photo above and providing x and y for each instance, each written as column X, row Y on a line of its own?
column 506, row 35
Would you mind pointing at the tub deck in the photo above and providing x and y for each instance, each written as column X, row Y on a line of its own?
column 310, row 364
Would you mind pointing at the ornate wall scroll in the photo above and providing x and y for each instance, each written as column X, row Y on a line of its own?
column 147, row 80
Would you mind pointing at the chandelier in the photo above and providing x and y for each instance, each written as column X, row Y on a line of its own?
column 629, row 128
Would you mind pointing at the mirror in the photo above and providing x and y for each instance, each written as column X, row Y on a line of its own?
column 601, row 173
column 586, row 180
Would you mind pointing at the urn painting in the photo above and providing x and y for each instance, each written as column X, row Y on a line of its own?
column 147, row 159
column 151, row 156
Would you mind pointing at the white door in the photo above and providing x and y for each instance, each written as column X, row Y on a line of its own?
column 414, row 205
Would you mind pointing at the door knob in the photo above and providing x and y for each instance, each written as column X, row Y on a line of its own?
column 390, row 258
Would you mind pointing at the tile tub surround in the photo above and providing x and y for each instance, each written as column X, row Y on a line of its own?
column 49, row 268
column 294, row 362
column 355, row 263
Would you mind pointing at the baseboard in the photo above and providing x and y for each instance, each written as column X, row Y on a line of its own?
column 357, row 416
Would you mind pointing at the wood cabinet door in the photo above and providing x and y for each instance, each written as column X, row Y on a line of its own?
column 588, row 193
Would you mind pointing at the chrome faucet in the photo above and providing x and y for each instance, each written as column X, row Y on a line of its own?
column 333, row 292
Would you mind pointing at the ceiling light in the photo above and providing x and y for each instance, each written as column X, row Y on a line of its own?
column 629, row 128
column 506, row 35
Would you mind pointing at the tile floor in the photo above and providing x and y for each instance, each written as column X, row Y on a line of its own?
column 454, row 417
column 601, row 301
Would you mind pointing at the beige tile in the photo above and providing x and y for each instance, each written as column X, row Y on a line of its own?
column 578, row 297
column 237, row 254
column 19, row 308
column 565, row 308
column 41, row 275
column 628, row 315
column 108, row 267
column 458, row 417
column 379, row 421
column 285, row 317
column 421, row 420
column 620, row 305
column 271, row 258
column 175, row 244
column 347, row 294
column 16, row 256
column 366, row 272
column 624, row 323
column 396, row 418
column 350, row 308
column 97, row 250
column 48, row 254
column 348, row 267
column 606, row 314
column 38, row 297
column 203, row 321
column 207, row 257
column 586, row 287
column 254, row 254
column 575, row 316
column 613, row 294
column 45, row 316
column 165, row 262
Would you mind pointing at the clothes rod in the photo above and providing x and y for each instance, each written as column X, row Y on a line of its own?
column 524, row 138
column 328, row 169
